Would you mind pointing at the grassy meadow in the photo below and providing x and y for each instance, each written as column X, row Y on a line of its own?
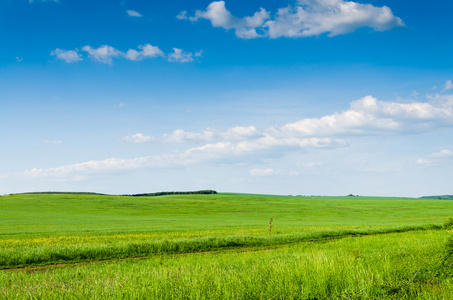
column 55, row 246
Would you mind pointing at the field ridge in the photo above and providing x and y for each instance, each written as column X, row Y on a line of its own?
column 31, row 256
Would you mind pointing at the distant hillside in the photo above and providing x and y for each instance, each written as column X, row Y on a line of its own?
column 204, row 192
column 62, row 193
column 439, row 197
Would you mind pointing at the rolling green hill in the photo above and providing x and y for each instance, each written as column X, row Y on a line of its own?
column 219, row 246
column 439, row 197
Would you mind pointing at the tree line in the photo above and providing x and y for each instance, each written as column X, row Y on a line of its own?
column 203, row 192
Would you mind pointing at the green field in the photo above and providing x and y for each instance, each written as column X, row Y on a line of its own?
column 55, row 246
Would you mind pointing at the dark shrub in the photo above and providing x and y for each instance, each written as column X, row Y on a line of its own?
column 448, row 224
column 447, row 263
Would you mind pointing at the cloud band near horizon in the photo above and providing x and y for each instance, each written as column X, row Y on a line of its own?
column 366, row 116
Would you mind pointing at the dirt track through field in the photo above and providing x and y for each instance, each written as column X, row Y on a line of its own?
column 38, row 268
column 44, row 268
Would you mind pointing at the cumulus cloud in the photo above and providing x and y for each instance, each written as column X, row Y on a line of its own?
column 133, row 13
column 146, row 51
column 371, row 116
column 207, row 152
column 199, row 53
column 443, row 153
column 103, row 54
column 93, row 166
column 219, row 16
column 182, row 15
column 138, row 138
column 220, row 150
column 315, row 17
column 235, row 133
column 180, row 135
column 310, row 164
column 68, row 56
column 423, row 161
column 178, row 55
column 365, row 116
column 306, row 18
column 435, row 158
column 448, row 85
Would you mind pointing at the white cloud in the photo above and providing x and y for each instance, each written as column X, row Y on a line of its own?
column 103, row 54
column 182, row 15
column 222, row 150
column 366, row 116
column 435, row 158
column 239, row 132
column 68, row 56
column 208, row 152
column 180, row 135
column 235, row 133
column 146, row 51
column 371, row 116
column 93, row 166
column 138, row 138
column 306, row 18
column 132, row 54
column 315, row 17
column 133, row 13
column 221, row 17
column 443, row 153
column 151, row 51
column 19, row 59
column 178, row 55
column 423, row 161
column 448, row 85
column 310, row 164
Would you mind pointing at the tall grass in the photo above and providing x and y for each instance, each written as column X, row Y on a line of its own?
column 51, row 254
column 386, row 266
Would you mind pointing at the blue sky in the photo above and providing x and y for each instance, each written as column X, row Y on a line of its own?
column 305, row 97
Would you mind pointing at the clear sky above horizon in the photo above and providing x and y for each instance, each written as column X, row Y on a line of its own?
column 304, row 97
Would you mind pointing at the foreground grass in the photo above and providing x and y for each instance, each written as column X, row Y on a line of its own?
column 217, row 247
column 388, row 266
column 54, row 253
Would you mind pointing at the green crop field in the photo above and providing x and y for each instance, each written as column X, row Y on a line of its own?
column 218, row 246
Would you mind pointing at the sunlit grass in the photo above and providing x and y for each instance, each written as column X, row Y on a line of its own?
column 390, row 266
column 218, row 247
